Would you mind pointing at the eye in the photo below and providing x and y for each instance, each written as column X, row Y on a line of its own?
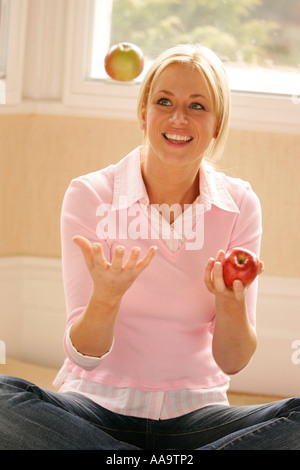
column 197, row 106
column 164, row 102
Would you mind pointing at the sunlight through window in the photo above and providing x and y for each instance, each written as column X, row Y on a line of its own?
column 257, row 39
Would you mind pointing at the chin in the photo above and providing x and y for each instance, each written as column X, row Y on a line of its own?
column 181, row 162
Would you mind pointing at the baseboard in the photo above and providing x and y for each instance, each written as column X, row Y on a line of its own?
column 32, row 324
column 33, row 317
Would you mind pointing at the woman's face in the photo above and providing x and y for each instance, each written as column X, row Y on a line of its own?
column 180, row 120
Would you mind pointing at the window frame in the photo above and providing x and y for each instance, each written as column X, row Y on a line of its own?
column 102, row 97
column 13, row 78
column 3, row 36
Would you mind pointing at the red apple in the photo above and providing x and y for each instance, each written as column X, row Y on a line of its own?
column 124, row 61
column 241, row 264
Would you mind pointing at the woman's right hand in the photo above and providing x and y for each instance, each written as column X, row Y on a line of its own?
column 112, row 280
column 92, row 332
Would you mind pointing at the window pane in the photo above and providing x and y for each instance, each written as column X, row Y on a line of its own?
column 257, row 39
column 4, row 16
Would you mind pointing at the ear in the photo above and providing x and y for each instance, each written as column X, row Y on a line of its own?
column 216, row 132
column 143, row 120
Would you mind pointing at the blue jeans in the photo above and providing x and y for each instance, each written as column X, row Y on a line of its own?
column 38, row 419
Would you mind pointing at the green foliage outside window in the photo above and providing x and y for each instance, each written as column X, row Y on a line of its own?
column 254, row 32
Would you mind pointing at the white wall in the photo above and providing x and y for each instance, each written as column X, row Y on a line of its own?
column 273, row 369
column 32, row 324
column 32, row 306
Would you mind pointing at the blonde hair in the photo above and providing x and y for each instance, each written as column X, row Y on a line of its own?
column 211, row 69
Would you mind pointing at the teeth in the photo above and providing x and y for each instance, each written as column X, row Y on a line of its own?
column 183, row 138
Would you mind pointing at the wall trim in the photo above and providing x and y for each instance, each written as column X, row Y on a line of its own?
column 243, row 117
column 32, row 323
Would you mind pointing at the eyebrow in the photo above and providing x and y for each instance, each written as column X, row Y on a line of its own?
column 194, row 95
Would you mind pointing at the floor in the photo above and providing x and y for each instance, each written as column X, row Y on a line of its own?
column 43, row 377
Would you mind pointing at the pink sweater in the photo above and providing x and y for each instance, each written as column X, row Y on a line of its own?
column 163, row 336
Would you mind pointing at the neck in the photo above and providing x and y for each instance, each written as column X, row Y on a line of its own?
column 170, row 184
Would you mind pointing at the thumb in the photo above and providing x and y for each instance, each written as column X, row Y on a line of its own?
column 86, row 248
column 238, row 289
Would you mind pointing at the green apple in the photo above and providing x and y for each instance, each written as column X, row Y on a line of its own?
column 124, row 62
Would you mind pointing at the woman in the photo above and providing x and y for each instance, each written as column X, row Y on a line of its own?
column 153, row 333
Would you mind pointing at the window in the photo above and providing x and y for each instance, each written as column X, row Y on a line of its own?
column 257, row 39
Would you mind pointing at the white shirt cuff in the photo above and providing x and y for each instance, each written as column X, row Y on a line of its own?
column 86, row 362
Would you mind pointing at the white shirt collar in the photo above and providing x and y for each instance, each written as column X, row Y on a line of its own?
column 213, row 190
column 129, row 186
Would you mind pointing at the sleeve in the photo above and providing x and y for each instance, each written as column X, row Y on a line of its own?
column 78, row 217
column 85, row 362
column 247, row 233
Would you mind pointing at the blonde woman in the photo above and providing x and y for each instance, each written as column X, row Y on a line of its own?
column 153, row 334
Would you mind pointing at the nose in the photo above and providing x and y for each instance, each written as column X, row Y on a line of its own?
column 178, row 116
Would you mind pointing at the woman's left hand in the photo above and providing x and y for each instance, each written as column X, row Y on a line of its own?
column 234, row 339
column 214, row 281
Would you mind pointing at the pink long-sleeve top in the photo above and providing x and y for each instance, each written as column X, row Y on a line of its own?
column 161, row 364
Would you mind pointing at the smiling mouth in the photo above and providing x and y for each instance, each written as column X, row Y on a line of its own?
column 178, row 138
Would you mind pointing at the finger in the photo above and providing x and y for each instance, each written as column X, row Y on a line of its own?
column 117, row 261
column 220, row 256
column 82, row 242
column 98, row 255
column 238, row 289
column 143, row 263
column 86, row 249
column 133, row 258
column 218, row 280
column 208, row 273
column 261, row 267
